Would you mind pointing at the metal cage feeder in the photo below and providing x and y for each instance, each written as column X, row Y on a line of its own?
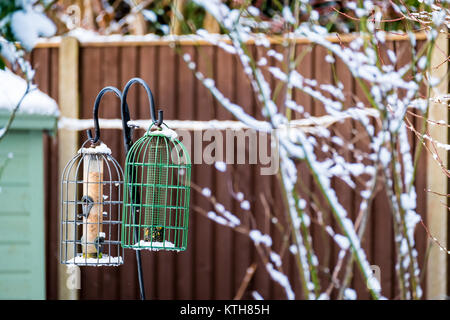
column 156, row 190
column 91, row 205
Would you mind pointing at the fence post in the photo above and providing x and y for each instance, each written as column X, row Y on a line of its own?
column 436, row 179
column 177, row 13
column 210, row 24
column 67, row 139
column 139, row 25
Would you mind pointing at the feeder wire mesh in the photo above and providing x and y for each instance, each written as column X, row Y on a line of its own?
column 91, row 192
column 91, row 204
column 156, row 188
column 158, row 172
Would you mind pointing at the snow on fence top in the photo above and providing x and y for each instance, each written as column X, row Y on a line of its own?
column 12, row 89
column 89, row 37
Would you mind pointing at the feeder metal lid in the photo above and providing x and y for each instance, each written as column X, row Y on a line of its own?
column 166, row 132
column 100, row 149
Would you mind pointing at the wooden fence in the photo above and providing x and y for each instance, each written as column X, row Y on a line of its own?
column 217, row 258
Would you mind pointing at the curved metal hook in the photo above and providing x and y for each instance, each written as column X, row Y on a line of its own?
column 96, row 106
column 128, row 142
column 158, row 121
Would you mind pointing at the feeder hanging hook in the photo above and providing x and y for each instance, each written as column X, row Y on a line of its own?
column 158, row 122
column 96, row 106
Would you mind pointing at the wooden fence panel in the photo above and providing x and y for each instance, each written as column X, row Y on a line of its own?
column 185, row 87
column 305, row 68
column 262, row 184
column 223, row 240
column 166, row 101
column 91, row 84
column 148, row 70
column 243, row 249
column 45, row 61
column 346, row 194
column 110, row 109
column 203, row 176
column 217, row 258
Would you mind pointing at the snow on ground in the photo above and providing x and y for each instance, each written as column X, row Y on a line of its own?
column 12, row 88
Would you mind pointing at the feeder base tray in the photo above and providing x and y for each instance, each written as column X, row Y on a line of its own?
column 154, row 245
column 105, row 260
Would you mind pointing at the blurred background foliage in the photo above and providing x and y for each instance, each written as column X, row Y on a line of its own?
column 185, row 17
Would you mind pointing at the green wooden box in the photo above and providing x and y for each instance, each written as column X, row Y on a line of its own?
column 22, row 238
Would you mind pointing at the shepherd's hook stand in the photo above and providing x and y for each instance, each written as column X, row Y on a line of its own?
column 127, row 135
column 158, row 218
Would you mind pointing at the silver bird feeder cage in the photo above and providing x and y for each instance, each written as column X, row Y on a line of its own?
column 91, row 203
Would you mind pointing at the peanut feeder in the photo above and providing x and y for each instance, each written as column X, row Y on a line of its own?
column 156, row 187
column 156, row 193
column 92, row 207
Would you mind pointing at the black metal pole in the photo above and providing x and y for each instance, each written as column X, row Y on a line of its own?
column 136, row 238
column 140, row 275
column 128, row 143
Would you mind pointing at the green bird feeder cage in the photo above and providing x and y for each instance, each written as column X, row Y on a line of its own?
column 156, row 188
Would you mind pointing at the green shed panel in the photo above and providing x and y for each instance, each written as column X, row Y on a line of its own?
column 22, row 238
